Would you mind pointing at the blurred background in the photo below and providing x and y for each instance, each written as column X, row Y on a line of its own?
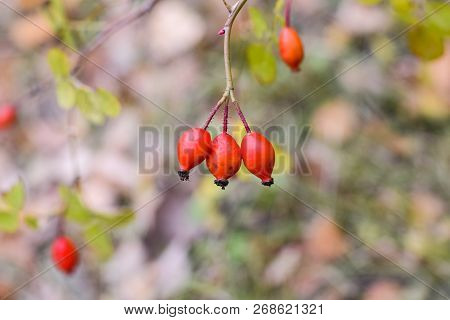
column 360, row 209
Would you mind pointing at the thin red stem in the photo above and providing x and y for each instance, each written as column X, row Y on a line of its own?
column 241, row 115
column 287, row 13
column 225, row 118
column 212, row 114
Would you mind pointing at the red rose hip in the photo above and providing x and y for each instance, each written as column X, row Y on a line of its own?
column 193, row 147
column 64, row 254
column 291, row 48
column 258, row 156
column 7, row 116
column 224, row 160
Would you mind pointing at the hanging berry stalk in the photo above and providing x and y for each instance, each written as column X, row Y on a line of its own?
column 224, row 156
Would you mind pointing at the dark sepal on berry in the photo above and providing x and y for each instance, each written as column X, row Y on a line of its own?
column 221, row 183
column 184, row 175
column 267, row 183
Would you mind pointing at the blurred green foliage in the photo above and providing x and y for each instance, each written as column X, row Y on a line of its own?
column 95, row 225
column 94, row 105
column 11, row 203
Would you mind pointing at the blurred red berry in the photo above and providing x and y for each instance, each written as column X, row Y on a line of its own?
column 224, row 160
column 193, row 147
column 291, row 48
column 64, row 254
column 259, row 156
column 7, row 116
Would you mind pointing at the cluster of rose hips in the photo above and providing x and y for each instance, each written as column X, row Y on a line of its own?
column 223, row 155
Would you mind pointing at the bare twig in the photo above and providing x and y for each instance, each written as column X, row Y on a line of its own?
column 94, row 44
column 229, row 90
column 112, row 28
column 227, row 6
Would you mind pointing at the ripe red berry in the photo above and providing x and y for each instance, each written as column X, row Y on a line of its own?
column 259, row 156
column 7, row 116
column 193, row 147
column 64, row 254
column 224, row 160
column 291, row 48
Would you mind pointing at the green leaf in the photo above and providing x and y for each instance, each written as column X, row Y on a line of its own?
column 31, row 222
column 86, row 102
column 259, row 24
column 262, row 63
column 66, row 93
column 75, row 209
column 57, row 12
column 78, row 212
column 404, row 10
column 425, row 43
column 278, row 8
column 440, row 19
column 115, row 220
column 100, row 240
column 60, row 24
column 59, row 63
column 107, row 102
column 278, row 13
column 15, row 197
column 402, row 6
column 9, row 222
